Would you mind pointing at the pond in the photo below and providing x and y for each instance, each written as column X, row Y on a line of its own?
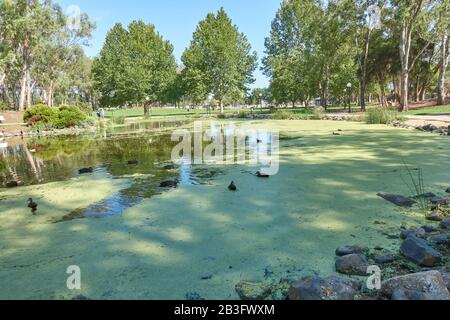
column 135, row 240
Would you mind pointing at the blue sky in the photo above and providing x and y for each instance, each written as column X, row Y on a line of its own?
column 176, row 19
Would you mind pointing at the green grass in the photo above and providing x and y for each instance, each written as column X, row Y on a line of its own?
column 430, row 111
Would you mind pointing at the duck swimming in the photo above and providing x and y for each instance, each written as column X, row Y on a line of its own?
column 260, row 174
column 32, row 205
column 86, row 170
column 232, row 186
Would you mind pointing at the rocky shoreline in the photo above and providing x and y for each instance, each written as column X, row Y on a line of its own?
column 420, row 270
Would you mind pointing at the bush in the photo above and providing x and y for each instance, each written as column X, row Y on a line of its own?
column 85, row 107
column 382, row 116
column 40, row 113
column 221, row 116
column 60, row 118
column 293, row 115
column 68, row 116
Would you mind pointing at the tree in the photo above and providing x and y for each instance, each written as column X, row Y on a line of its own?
column 414, row 19
column 444, row 27
column 219, row 59
column 309, row 46
column 135, row 66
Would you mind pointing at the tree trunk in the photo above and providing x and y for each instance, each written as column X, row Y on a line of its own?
column 49, row 94
column 442, row 70
column 324, row 95
column 221, row 106
column 383, row 92
column 23, row 91
column 363, row 81
column 404, row 83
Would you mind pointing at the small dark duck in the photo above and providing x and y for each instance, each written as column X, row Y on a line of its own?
column 32, row 205
column 169, row 184
column 260, row 174
column 133, row 162
column 232, row 186
column 86, row 170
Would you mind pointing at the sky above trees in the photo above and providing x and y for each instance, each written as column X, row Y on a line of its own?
column 176, row 20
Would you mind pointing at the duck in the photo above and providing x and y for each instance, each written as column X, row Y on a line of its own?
column 169, row 184
column 232, row 186
column 32, row 205
column 133, row 162
column 259, row 141
column 260, row 174
column 12, row 184
column 336, row 134
column 86, row 170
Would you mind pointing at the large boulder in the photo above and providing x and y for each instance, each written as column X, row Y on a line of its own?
column 331, row 288
column 398, row 200
column 430, row 283
column 345, row 251
column 418, row 251
column 352, row 264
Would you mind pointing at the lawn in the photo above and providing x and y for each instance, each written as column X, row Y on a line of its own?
column 430, row 111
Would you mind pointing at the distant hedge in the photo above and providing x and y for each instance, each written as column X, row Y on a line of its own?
column 61, row 117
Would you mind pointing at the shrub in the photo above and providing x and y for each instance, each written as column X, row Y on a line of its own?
column 221, row 116
column 382, row 116
column 68, row 116
column 85, row 107
column 40, row 113
column 62, row 117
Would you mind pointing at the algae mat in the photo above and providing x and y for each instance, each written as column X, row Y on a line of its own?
column 201, row 240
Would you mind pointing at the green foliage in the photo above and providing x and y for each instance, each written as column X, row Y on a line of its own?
column 68, row 116
column 42, row 116
column 382, row 116
column 219, row 60
column 135, row 66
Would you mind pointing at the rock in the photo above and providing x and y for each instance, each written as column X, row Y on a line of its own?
column 253, row 291
column 133, row 162
column 429, row 228
column 331, row 288
column 380, row 260
column 440, row 201
column 448, row 190
column 445, row 224
column 418, row 251
column 415, row 295
column 352, row 264
column 437, row 217
column 86, row 170
column 12, row 184
column 419, row 233
column 430, row 282
column 169, row 184
column 400, row 201
column 445, row 272
column 345, row 251
column 442, row 239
